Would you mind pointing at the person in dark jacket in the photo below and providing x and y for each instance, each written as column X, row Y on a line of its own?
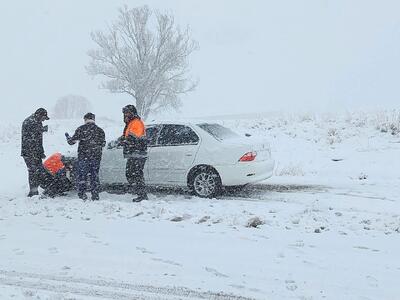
column 91, row 140
column 134, row 142
column 32, row 148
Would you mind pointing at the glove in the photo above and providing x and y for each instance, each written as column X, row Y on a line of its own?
column 46, row 128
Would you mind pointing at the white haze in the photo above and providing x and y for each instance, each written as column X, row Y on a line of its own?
column 255, row 56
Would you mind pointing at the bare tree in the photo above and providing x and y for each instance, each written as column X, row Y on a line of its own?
column 71, row 107
column 144, row 54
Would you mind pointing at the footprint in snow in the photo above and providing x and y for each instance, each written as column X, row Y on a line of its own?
column 29, row 294
column 237, row 286
column 90, row 236
column 215, row 272
column 62, row 234
column 309, row 263
column 53, row 250
column 18, row 251
column 298, row 244
column 144, row 250
column 372, row 281
column 168, row 262
column 262, row 236
column 281, row 255
column 291, row 285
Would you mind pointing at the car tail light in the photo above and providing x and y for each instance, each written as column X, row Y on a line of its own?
column 249, row 156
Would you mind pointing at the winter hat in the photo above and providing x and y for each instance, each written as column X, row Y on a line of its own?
column 89, row 116
column 130, row 109
column 41, row 112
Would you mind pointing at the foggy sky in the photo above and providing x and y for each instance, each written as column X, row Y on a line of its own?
column 255, row 56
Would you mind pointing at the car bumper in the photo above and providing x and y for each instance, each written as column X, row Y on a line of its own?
column 246, row 172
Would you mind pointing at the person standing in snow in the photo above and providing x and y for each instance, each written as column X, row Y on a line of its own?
column 134, row 142
column 32, row 148
column 91, row 140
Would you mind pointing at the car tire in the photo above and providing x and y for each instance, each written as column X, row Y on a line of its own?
column 205, row 182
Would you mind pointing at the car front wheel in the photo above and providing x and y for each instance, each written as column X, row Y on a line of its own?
column 205, row 183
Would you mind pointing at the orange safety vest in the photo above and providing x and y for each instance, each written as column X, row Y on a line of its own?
column 54, row 164
column 135, row 127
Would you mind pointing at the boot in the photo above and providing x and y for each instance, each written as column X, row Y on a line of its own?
column 82, row 196
column 140, row 198
column 47, row 194
column 33, row 192
column 95, row 196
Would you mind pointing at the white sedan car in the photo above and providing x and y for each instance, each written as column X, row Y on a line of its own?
column 203, row 157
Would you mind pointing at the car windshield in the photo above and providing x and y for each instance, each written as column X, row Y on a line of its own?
column 218, row 131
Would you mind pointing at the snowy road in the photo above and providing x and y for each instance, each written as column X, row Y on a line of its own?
column 101, row 289
column 317, row 242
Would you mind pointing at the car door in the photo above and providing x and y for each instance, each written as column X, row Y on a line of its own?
column 152, row 133
column 113, row 164
column 172, row 155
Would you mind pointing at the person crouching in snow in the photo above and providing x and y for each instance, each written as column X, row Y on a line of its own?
column 91, row 140
column 58, row 179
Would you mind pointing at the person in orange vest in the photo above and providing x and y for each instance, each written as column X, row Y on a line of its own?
column 58, row 179
column 134, row 143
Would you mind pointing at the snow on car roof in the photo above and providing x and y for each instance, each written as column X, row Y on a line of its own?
column 179, row 122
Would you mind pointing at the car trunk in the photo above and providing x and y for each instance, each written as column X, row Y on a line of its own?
column 250, row 144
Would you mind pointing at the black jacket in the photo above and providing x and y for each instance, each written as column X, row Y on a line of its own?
column 91, row 140
column 134, row 147
column 32, row 138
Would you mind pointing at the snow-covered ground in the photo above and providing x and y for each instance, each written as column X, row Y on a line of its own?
column 331, row 227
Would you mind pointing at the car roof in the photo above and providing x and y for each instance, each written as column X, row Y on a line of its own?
column 180, row 122
column 154, row 123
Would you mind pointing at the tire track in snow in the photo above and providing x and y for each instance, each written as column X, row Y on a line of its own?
column 104, row 289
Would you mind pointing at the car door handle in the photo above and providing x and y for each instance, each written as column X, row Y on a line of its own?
column 189, row 154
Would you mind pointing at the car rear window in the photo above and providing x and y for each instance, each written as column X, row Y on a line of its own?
column 218, row 131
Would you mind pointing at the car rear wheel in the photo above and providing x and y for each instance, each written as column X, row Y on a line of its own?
column 205, row 183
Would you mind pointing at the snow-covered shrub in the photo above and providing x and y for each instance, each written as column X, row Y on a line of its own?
column 388, row 122
column 71, row 107
column 333, row 136
column 359, row 119
column 362, row 176
column 359, row 122
column 255, row 222
column 306, row 117
column 289, row 170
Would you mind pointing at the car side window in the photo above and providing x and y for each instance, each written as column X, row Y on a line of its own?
column 152, row 135
column 174, row 135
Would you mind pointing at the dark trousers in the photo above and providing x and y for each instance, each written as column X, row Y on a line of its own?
column 36, row 171
column 88, row 167
column 135, row 175
column 58, row 184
